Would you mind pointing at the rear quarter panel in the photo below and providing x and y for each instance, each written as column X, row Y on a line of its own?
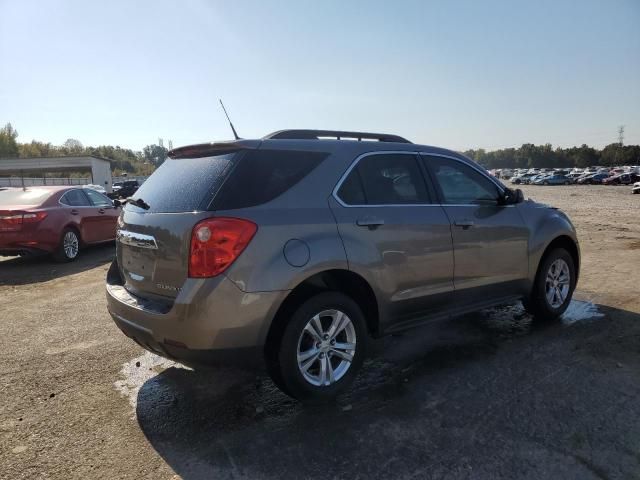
column 263, row 266
column 302, row 213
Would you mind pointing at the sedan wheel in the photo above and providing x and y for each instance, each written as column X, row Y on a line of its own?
column 69, row 246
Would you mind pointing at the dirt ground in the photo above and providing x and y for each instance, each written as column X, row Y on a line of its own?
column 484, row 396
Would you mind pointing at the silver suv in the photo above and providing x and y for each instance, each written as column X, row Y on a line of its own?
column 293, row 250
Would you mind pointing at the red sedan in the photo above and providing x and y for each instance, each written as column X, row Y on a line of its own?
column 56, row 220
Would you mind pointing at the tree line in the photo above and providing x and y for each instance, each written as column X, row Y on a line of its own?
column 146, row 161
column 124, row 159
column 545, row 156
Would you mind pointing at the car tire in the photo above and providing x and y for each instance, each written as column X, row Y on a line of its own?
column 69, row 246
column 545, row 183
column 309, row 366
column 549, row 298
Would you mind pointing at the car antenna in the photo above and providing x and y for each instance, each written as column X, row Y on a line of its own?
column 235, row 134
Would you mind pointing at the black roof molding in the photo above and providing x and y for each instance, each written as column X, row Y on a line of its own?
column 337, row 134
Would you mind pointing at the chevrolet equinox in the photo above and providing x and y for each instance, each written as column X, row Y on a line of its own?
column 293, row 250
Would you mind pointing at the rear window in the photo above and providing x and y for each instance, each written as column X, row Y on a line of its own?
column 184, row 185
column 75, row 198
column 262, row 175
column 17, row 196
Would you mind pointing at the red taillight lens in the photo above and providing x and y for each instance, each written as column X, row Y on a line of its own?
column 14, row 220
column 33, row 217
column 216, row 243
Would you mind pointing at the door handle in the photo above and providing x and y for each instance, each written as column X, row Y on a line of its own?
column 101, row 210
column 464, row 223
column 369, row 222
column 74, row 212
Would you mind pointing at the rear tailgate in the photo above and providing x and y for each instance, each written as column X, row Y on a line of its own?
column 153, row 249
column 153, row 243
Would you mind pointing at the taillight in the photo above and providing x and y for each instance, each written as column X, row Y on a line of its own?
column 33, row 217
column 14, row 221
column 216, row 243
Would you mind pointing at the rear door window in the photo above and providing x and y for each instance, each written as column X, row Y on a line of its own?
column 263, row 175
column 385, row 179
column 75, row 198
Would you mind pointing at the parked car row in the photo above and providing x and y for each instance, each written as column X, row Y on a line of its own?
column 586, row 177
column 54, row 220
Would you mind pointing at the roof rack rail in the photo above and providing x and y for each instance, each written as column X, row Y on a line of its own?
column 337, row 134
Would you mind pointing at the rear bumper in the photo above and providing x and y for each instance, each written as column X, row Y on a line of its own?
column 210, row 322
column 21, row 251
column 24, row 243
column 246, row 357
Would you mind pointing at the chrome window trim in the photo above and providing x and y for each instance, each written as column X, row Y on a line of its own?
column 355, row 162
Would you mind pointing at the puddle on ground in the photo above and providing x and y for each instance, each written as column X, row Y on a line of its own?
column 138, row 371
column 579, row 311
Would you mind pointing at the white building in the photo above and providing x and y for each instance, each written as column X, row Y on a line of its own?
column 99, row 167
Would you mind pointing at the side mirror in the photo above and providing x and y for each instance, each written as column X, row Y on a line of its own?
column 117, row 203
column 512, row 197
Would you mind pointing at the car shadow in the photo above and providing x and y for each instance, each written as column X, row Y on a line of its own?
column 36, row 269
column 466, row 398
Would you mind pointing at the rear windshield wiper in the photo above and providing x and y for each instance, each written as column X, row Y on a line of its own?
column 138, row 202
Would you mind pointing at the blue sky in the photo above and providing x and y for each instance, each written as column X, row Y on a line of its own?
column 459, row 74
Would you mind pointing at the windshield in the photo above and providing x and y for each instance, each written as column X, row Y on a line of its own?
column 17, row 196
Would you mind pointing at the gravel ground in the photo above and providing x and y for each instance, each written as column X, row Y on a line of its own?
column 484, row 396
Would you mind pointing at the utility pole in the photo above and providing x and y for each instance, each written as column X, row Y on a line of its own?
column 621, row 135
column 620, row 143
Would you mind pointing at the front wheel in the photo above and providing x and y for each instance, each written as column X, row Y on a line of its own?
column 553, row 286
column 322, row 348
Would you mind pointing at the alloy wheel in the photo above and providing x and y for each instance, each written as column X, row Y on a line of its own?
column 70, row 245
column 326, row 347
column 557, row 283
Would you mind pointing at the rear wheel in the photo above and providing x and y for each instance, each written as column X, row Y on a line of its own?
column 322, row 348
column 553, row 287
column 69, row 246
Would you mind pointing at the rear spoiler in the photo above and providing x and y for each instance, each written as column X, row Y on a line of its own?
column 210, row 149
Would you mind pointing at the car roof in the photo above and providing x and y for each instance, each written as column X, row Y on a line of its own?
column 50, row 188
column 351, row 143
